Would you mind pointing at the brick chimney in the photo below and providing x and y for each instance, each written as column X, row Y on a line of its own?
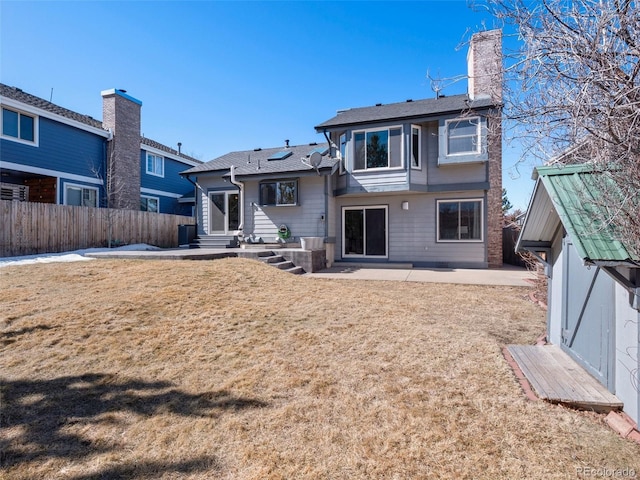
column 121, row 114
column 484, row 65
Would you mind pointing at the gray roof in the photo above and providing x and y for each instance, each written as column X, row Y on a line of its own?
column 18, row 95
column 28, row 99
column 411, row 109
column 256, row 162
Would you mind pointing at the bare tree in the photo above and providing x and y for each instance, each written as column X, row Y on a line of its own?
column 572, row 95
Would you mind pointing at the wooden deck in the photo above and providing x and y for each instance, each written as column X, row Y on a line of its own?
column 557, row 378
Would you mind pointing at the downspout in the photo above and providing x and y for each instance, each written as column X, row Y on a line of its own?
column 240, row 186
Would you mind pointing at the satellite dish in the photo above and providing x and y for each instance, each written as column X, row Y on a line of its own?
column 315, row 159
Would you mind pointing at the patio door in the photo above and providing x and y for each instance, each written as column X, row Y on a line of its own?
column 364, row 231
column 224, row 214
column 587, row 316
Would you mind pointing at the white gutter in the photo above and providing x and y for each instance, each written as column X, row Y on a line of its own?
column 240, row 186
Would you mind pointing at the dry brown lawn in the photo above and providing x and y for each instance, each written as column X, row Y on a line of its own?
column 232, row 369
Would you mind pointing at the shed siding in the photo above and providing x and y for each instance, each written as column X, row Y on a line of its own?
column 627, row 362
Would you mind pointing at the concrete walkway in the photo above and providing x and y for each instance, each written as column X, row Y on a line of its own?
column 509, row 275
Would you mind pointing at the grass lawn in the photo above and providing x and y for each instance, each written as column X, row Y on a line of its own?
column 232, row 369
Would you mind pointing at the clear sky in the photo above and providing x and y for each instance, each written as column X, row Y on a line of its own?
column 224, row 76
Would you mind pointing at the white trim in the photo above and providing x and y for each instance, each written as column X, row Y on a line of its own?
column 160, row 192
column 386, row 229
column 162, row 153
column 377, row 129
column 419, row 128
column 460, row 200
column 157, row 199
column 53, row 116
column 50, row 173
column 478, row 136
column 146, row 164
column 81, row 187
column 36, row 126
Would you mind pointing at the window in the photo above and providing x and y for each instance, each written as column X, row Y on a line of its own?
column 416, row 161
column 155, row 165
column 378, row 149
column 463, row 136
column 18, row 125
column 149, row 204
column 81, row 196
column 343, row 153
column 283, row 192
column 460, row 220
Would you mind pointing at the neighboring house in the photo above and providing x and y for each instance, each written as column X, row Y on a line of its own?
column 594, row 282
column 50, row 154
column 418, row 181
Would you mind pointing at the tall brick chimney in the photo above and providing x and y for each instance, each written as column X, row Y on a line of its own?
column 484, row 63
column 121, row 114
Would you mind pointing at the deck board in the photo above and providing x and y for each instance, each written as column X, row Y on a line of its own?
column 557, row 378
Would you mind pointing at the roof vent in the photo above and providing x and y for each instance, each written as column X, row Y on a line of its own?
column 409, row 100
column 286, row 143
column 378, row 104
column 257, row 149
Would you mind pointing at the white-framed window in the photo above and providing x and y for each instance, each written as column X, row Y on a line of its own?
column 279, row 193
column 19, row 126
column 377, row 148
column 460, row 220
column 149, row 204
column 342, row 140
column 155, row 165
column 464, row 136
column 416, row 147
column 365, row 231
column 80, row 195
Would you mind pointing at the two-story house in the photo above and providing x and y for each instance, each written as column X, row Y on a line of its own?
column 414, row 182
column 51, row 154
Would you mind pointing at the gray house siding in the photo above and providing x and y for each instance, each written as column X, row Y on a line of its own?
column 412, row 233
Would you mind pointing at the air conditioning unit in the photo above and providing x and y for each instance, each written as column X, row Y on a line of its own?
column 10, row 191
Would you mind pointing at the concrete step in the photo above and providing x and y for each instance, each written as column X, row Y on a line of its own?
column 295, row 270
column 273, row 259
column 285, row 265
column 214, row 241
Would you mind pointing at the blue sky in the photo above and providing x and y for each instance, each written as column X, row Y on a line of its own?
column 224, row 76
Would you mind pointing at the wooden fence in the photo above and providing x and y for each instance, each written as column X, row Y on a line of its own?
column 28, row 228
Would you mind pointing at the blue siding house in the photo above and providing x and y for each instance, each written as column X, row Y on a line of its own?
column 50, row 154
column 415, row 182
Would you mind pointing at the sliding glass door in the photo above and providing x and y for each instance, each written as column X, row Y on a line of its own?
column 364, row 231
column 224, row 214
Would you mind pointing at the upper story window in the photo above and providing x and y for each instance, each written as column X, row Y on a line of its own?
column 343, row 153
column 380, row 148
column 281, row 192
column 18, row 126
column 155, row 165
column 416, row 157
column 463, row 136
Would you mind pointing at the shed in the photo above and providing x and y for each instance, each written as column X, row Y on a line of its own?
column 594, row 278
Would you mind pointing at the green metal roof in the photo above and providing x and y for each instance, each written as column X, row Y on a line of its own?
column 575, row 191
